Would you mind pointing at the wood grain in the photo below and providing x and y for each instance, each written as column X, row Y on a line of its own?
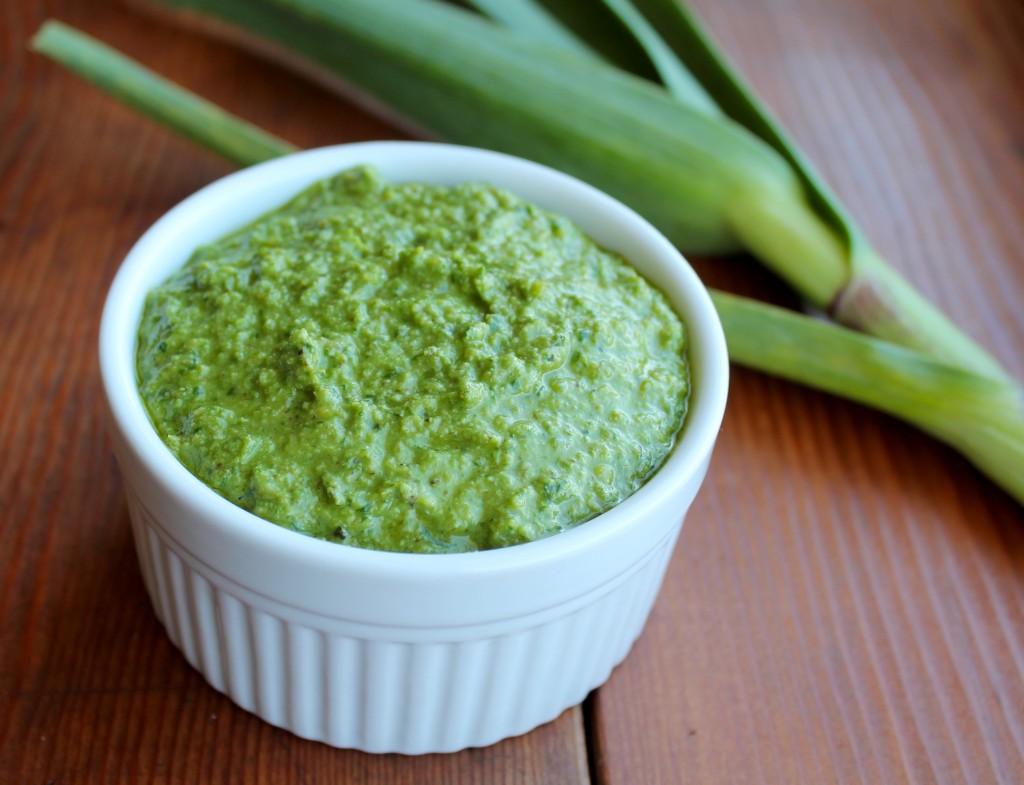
column 845, row 604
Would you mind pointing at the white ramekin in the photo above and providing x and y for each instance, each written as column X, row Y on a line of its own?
column 389, row 652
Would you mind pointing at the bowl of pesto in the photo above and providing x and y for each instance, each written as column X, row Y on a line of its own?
column 408, row 433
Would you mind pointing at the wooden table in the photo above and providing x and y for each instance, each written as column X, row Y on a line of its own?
column 845, row 603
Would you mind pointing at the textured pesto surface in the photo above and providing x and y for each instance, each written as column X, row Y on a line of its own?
column 414, row 368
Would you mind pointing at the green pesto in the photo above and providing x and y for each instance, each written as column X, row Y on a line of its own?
column 414, row 368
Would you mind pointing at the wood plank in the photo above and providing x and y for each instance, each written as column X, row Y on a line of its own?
column 846, row 603
column 90, row 688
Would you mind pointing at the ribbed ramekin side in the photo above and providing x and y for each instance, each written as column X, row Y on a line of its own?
column 412, row 696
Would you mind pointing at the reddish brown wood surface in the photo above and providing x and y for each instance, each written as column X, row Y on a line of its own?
column 845, row 604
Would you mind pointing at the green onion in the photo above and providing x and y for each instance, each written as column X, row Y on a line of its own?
column 874, row 297
column 533, row 20
column 981, row 416
column 471, row 81
column 591, row 29
column 713, row 184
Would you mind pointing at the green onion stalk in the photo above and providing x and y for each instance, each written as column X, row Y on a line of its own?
column 698, row 156
column 158, row 98
column 981, row 414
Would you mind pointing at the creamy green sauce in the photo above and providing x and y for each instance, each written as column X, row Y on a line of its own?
column 414, row 368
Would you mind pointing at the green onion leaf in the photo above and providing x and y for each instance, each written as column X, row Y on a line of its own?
column 980, row 416
column 471, row 81
column 209, row 125
column 532, row 20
